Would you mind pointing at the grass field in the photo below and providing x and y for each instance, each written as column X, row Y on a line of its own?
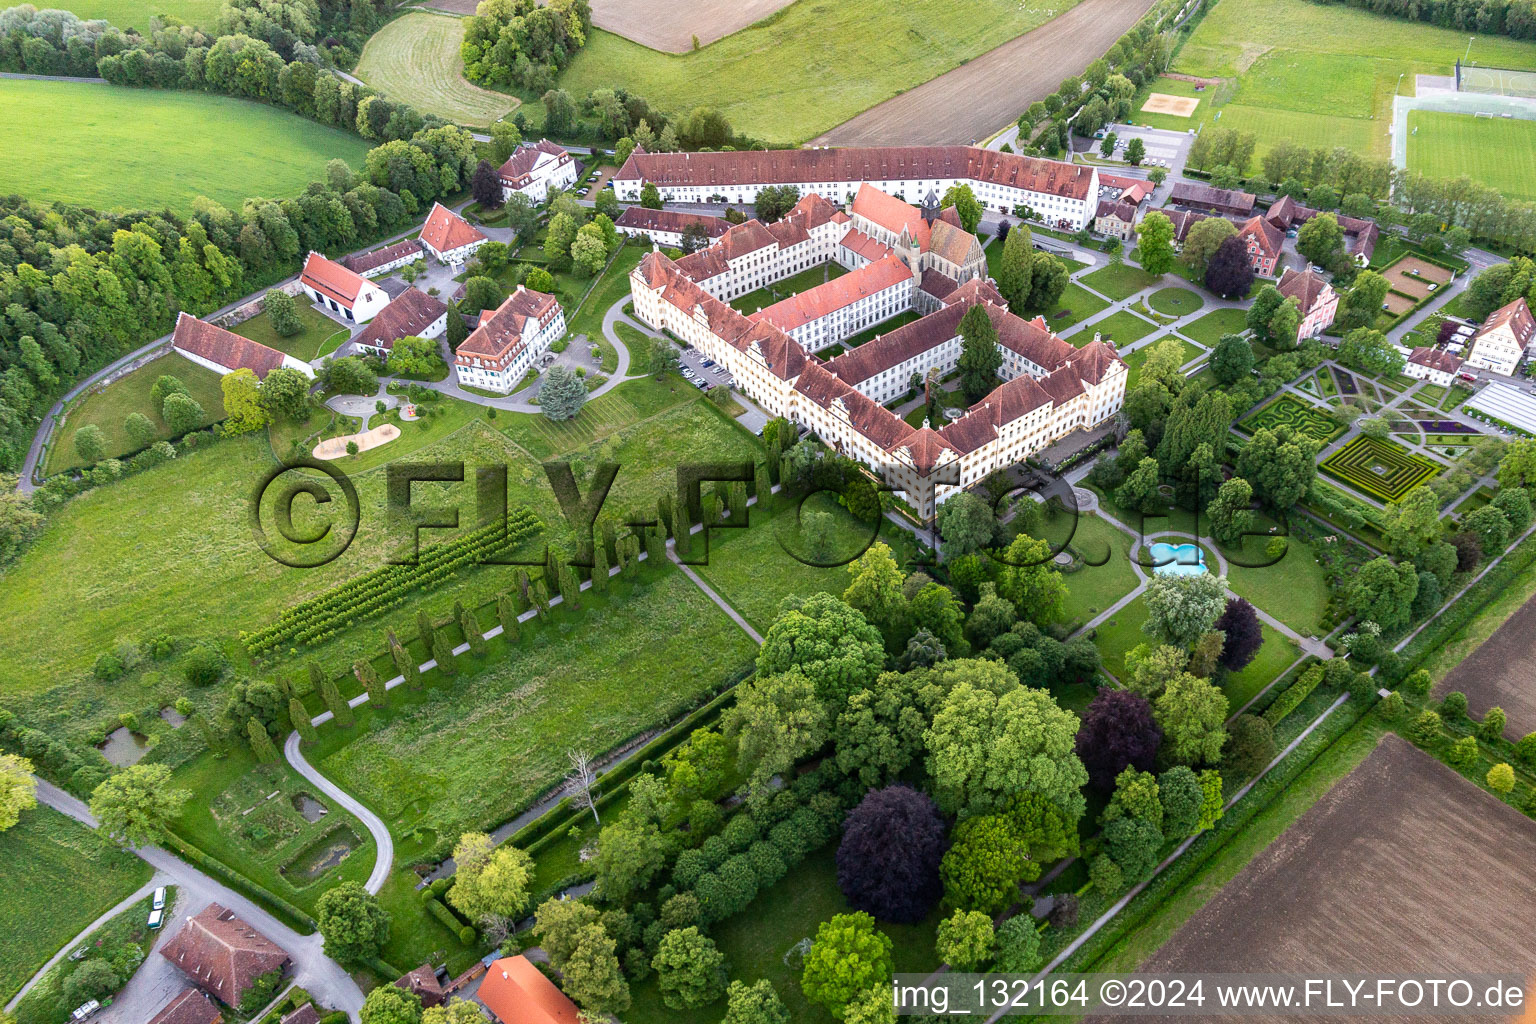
column 847, row 56
column 1075, row 305
column 108, row 409
column 1324, row 74
column 780, row 290
column 57, row 877
column 1120, row 329
column 1170, row 87
column 415, row 59
column 126, row 14
column 320, row 334
column 44, row 1002
column 1119, row 280
column 1175, row 301
column 1499, row 153
column 1135, row 359
column 164, row 148
column 1209, row 329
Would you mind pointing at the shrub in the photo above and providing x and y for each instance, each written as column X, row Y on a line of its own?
column 1290, row 699
column 1525, row 749
column 1425, row 728
column 1106, row 876
column 1454, row 705
column 965, row 940
column 1491, row 728
column 108, row 668
column 1501, row 778
column 204, row 666
column 1392, row 707
column 1463, row 753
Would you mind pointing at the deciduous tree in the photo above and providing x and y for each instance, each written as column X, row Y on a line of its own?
column 1191, row 712
column 1155, row 235
column 848, row 957
column 888, row 860
column 1118, row 730
column 355, row 925
column 136, row 805
column 18, row 789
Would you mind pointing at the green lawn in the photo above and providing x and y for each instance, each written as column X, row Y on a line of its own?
column 1135, row 359
column 1119, row 634
column 1325, row 74
column 1093, row 588
column 1277, row 655
column 474, row 750
column 1209, row 329
column 1119, row 280
column 321, row 334
column 1175, row 301
column 111, row 406
column 165, row 147
column 1075, row 305
column 1170, row 87
column 135, row 14
column 1293, row 590
column 847, row 58
column 610, row 288
column 1119, row 329
column 755, row 568
column 757, row 941
column 801, row 282
column 58, row 877
column 1496, row 151
column 415, row 59
column 879, row 330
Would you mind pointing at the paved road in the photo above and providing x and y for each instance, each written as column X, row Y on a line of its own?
column 155, row 982
column 375, row 825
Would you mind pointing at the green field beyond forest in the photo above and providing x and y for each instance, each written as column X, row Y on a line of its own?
column 103, row 146
column 1324, row 75
column 845, row 57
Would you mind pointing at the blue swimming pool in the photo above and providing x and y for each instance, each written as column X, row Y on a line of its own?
column 1177, row 559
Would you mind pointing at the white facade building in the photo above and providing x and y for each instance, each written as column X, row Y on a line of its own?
column 536, row 169
column 498, row 353
column 1505, row 338
column 450, row 239
column 222, row 351
column 338, row 289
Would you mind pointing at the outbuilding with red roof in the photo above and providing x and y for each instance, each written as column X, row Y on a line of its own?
column 343, row 292
column 449, row 238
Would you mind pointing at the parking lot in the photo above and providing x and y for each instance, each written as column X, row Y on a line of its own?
column 1164, row 148
column 700, row 372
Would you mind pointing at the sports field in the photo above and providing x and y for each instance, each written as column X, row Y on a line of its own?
column 415, row 59
column 848, row 56
column 1496, row 151
column 102, row 146
column 1325, row 74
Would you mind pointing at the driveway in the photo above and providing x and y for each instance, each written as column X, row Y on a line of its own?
column 375, row 825
column 155, row 982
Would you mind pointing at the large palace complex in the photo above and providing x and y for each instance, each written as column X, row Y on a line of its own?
column 899, row 259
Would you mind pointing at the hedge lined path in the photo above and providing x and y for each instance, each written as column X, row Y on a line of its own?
column 313, row 971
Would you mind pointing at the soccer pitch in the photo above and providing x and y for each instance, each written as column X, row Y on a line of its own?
column 1497, row 151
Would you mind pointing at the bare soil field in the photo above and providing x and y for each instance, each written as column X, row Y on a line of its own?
column 1402, row 868
column 1402, row 277
column 1397, row 304
column 976, row 99
column 672, row 27
column 1500, row 672
column 1177, row 106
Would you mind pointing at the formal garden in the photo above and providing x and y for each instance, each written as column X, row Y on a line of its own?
column 1382, row 469
column 1287, row 411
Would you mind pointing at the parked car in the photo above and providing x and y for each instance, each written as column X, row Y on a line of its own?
column 1470, row 378
column 85, row 1010
column 159, row 901
column 156, row 918
column 709, row 362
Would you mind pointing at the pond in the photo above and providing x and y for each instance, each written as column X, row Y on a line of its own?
column 319, row 857
column 123, row 747
column 1177, row 559
column 312, row 810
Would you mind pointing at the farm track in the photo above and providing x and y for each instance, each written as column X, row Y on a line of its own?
column 976, row 99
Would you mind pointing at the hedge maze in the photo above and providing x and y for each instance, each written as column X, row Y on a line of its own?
column 1379, row 468
column 1288, row 412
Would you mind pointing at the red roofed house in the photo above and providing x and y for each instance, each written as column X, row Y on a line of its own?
column 423, row 981
column 1263, row 241
column 449, row 237
column 666, row 227
column 535, row 169
column 340, row 290
column 1116, row 218
column 222, row 954
column 1504, row 339
column 306, row 1014
column 412, row 314
column 190, row 1007
column 379, row 262
column 225, row 352
column 843, row 306
column 1434, row 365
column 516, row 993
column 1314, row 296
column 503, row 348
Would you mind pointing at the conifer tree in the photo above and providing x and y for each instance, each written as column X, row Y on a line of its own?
column 369, row 679
column 610, row 541
column 333, row 700
column 443, row 654
column 600, row 569
column 261, row 743
column 664, row 511
column 404, row 663
column 424, row 627
column 301, row 720
column 472, row 634
column 316, row 677
column 541, row 598
column 506, row 614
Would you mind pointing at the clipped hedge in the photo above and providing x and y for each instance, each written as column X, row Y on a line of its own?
column 1292, row 696
column 281, row 907
column 438, row 909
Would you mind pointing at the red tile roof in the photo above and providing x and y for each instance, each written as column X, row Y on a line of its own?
column 1269, row 238
column 1435, row 359
column 638, row 218
column 226, row 348
column 1517, row 315
column 408, row 315
column 1119, row 209
column 858, row 242
column 938, row 284
column 423, row 982
column 306, row 1014
column 332, row 279
column 884, row 163
column 1132, row 190
column 798, row 310
column 364, row 262
column 890, row 213
column 499, row 337
column 446, row 231
column 516, row 993
column 1183, row 220
column 1190, row 193
column 1304, row 286
column 222, row 953
column 951, row 242
column 522, row 162
column 190, row 1007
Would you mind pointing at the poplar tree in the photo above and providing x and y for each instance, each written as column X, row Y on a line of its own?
column 301, row 720
column 424, row 627
column 333, row 700
column 261, row 743
column 506, row 614
column 316, row 679
column 444, row 655
column 600, row 570
column 369, row 679
column 472, row 634
column 404, row 663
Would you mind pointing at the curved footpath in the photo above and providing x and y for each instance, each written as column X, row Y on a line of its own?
column 375, row 825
